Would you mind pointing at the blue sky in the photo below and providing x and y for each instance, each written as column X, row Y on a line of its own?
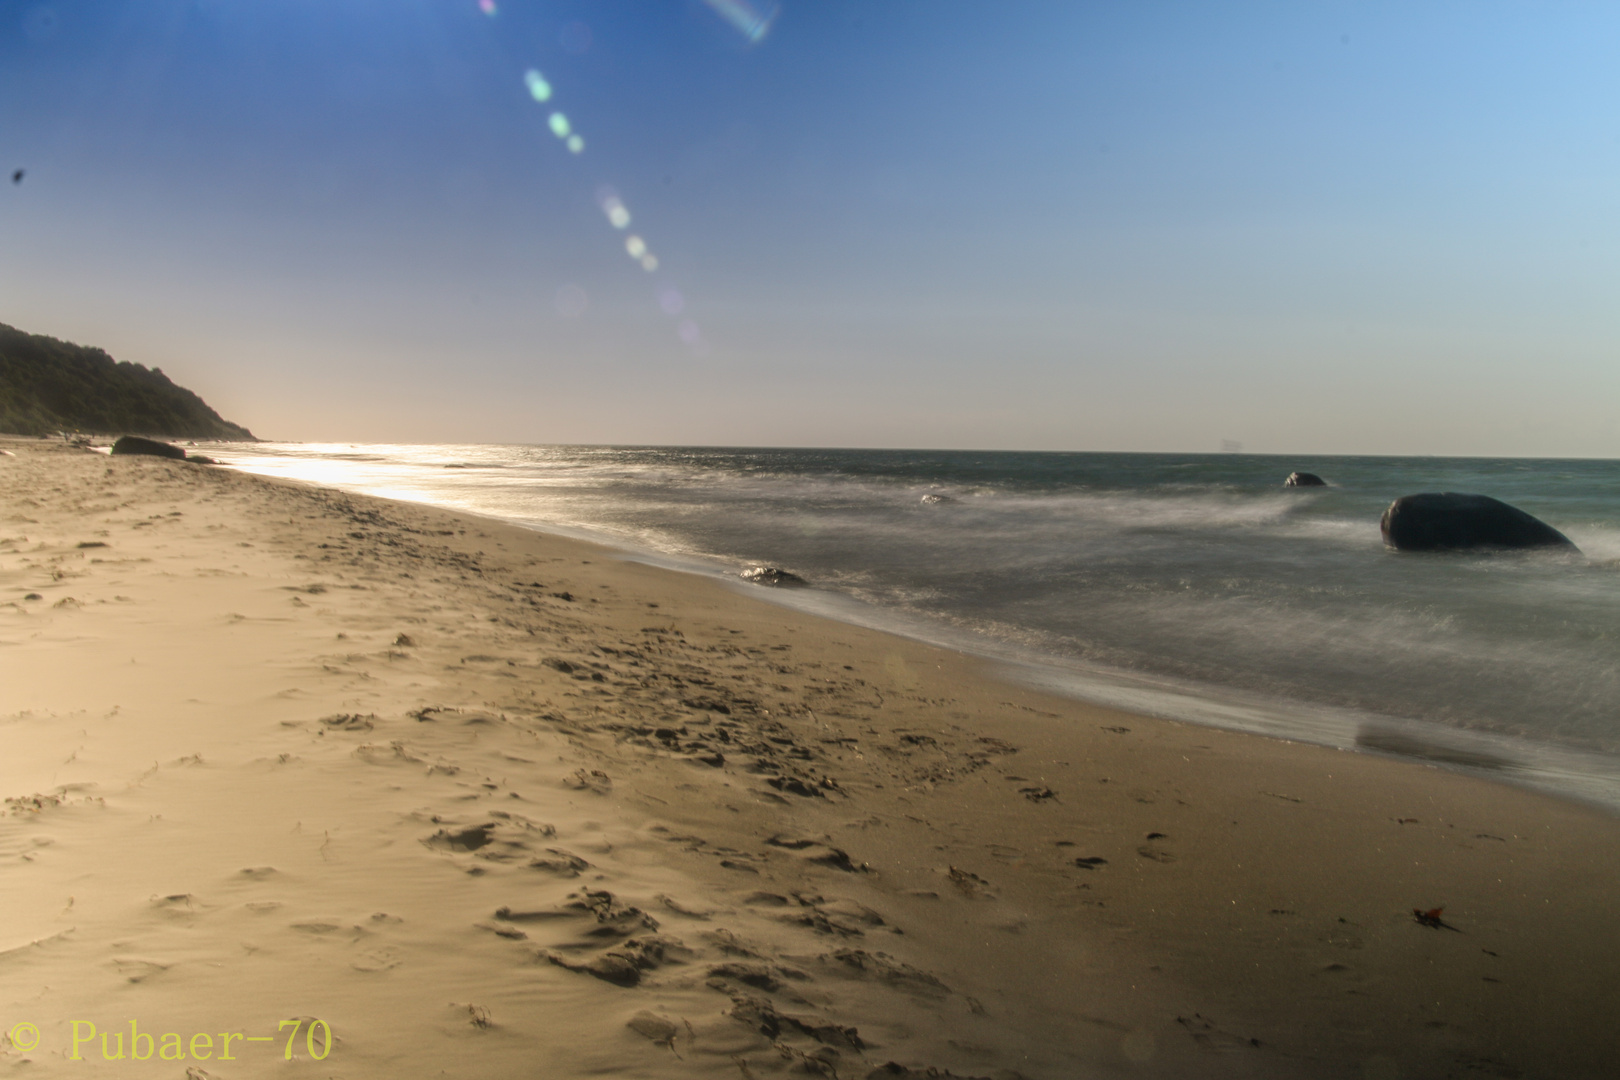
column 1359, row 228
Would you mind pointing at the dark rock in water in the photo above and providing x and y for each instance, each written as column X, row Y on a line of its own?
column 1447, row 521
column 199, row 459
column 134, row 444
column 770, row 575
column 1304, row 479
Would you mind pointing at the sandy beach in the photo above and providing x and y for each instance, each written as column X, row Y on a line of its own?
column 389, row 792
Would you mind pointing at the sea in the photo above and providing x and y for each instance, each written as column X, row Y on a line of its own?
column 1190, row 586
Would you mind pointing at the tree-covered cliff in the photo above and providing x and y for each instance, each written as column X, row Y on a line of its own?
column 48, row 385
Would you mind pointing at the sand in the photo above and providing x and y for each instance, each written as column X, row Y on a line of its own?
column 477, row 800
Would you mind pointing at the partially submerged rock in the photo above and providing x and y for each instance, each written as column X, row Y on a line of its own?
column 1304, row 479
column 771, row 575
column 1448, row 521
column 134, row 444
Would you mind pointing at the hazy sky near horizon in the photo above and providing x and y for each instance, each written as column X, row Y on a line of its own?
column 1324, row 227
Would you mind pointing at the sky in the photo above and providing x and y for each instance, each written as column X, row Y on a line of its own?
column 1295, row 227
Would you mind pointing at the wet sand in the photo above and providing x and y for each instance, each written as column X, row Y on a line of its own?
column 483, row 800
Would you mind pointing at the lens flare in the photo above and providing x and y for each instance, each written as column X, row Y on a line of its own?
column 752, row 21
column 571, row 301
column 614, row 208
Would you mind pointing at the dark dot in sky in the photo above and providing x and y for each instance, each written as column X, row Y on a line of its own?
column 16, row 177
column 40, row 24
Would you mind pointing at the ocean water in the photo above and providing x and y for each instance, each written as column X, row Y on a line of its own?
column 1189, row 586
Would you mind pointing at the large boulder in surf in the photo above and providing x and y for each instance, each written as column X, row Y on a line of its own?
column 134, row 444
column 1448, row 521
column 774, row 576
column 1304, row 479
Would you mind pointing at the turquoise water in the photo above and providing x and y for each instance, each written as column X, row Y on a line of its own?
column 1191, row 585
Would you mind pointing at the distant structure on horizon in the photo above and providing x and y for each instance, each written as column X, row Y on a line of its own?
column 49, row 386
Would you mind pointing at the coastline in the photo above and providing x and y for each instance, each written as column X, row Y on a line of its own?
column 888, row 842
column 1329, row 638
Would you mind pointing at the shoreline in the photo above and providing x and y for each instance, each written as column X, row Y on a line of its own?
column 896, row 858
column 1569, row 771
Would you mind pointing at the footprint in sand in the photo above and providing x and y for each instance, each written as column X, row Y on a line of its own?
column 970, row 884
column 349, row 722
column 860, row 964
column 628, row 962
column 814, row 851
column 323, row 928
column 836, row 917
column 756, row 975
column 660, row 1029
column 593, row 780
column 509, row 838
column 680, row 909
column 135, row 970
column 561, row 863
column 384, row 959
